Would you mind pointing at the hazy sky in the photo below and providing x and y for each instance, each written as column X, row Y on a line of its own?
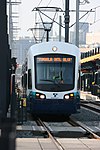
column 27, row 17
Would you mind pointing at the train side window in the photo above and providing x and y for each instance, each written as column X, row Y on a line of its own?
column 22, row 81
column 25, row 80
column 29, row 79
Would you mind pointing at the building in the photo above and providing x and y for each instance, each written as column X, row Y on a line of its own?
column 83, row 30
column 22, row 46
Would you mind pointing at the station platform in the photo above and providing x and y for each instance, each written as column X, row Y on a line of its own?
column 88, row 96
column 47, row 144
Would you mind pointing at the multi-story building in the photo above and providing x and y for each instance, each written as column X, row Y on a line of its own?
column 83, row 30
column 22, row 46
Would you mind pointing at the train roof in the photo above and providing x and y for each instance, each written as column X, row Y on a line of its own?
column 59, row 47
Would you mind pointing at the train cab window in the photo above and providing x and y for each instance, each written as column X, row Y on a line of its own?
column 54, row 72
column 29, row 79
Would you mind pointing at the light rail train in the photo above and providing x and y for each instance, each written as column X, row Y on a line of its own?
column 50, row 78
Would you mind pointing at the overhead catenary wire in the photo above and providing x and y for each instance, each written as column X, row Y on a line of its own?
column 49, row 3
column 84, row 22
column 49, row 18
column 91, row 10
column 39, row 3
column 73, row 23
column 95, row 21
column 81, row 17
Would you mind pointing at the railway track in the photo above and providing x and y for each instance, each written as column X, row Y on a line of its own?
column 54, row 140
column 94, row 106
column 69, row 128
column 88, row 130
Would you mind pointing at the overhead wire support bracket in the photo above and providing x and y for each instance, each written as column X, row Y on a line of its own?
column 48, row 21
column 50, row 9
column 91, row 10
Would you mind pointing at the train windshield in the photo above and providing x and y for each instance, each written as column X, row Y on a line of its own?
column 54, row 72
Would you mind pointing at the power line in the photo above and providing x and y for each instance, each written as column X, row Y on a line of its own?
column 94, row 18
column 49, row 3
column 84, row 21
column 95, row 22
column 39, row 3
column 81, row 17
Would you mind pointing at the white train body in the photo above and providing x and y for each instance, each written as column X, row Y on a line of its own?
column 52, row 77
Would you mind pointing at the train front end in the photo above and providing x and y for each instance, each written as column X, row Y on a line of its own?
column 54, row 77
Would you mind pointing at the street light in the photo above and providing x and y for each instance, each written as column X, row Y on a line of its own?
column 47, row 28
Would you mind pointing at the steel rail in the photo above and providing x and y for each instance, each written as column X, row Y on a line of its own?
column 91, row 106
column 82, row 125
column 58, row 144
column 95, row 136
column 95, row 103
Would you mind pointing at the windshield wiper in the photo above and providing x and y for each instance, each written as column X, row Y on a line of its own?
column 47, row 80
column 53, row 81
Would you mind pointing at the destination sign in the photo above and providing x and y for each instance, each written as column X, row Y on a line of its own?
column 56, row 59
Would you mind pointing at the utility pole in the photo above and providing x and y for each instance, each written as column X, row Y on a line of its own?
column 66, row 20
column 60, row 22
column 77, row 23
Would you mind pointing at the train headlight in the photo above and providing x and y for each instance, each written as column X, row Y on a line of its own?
column 69, row 96
column 66, row 96
column 42, row 96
